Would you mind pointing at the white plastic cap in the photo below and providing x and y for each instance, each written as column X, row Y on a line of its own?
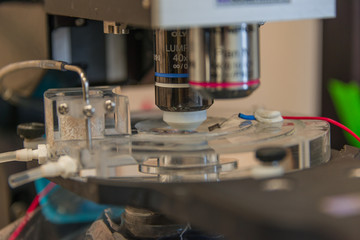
column 185, row 120
column 266, row 116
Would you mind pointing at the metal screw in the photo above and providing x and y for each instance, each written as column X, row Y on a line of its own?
column 89, row 111
column 63, row 109
column 109, row 106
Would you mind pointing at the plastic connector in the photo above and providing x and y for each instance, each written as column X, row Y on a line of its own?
column 65, row 167
column 26, row 155
column 68, row 165
column 42, row 153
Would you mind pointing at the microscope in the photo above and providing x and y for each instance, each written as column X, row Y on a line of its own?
column 203, row 50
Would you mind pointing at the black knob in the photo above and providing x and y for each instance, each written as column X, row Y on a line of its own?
column 31, row 130
column 271, row 154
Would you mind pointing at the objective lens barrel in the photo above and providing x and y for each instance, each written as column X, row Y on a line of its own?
column 172, row 89
column 225, row 60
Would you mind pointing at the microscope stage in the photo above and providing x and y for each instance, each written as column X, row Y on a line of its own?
column 220, row 149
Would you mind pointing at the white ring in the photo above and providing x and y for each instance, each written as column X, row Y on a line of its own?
column 172, row 85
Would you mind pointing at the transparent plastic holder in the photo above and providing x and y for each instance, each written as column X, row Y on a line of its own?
column 66, row 124
column 159, row 153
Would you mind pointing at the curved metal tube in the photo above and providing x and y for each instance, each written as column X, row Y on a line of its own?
column 84, row 81
column 44, row 64
column 8, row 95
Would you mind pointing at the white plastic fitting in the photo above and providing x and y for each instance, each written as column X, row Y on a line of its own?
column 65, row 167
column 68, row 165
column 26, row 155
column 266, row 116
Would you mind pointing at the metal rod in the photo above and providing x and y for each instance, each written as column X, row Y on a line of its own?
column 84, row 81
column 88, row 133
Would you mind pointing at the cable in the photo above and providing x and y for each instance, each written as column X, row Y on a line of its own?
column 327, row 120
column 247, row 117
column 8, row 95
column 252, row 117
column 34, row 204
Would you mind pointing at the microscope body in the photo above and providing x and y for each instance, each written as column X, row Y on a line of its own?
column 204, row 49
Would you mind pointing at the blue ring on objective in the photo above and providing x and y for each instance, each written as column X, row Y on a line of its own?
column 172, row 75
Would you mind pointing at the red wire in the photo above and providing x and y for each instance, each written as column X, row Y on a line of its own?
column 328, row 120
column 34, row 204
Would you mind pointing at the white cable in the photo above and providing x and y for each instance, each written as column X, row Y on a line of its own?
column 7, row 94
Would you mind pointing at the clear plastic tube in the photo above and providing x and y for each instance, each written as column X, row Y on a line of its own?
column 22, row 178
column 7, row 157
column 65, row 166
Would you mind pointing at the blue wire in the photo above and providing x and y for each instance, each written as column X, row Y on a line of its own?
column 172, row 75
column 246, row 117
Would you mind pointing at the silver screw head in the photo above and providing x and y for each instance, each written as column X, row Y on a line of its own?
column 89, row 111
column 63, row 109
column 109, row 106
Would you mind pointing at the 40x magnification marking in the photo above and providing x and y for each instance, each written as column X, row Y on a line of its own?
column 180, row 58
